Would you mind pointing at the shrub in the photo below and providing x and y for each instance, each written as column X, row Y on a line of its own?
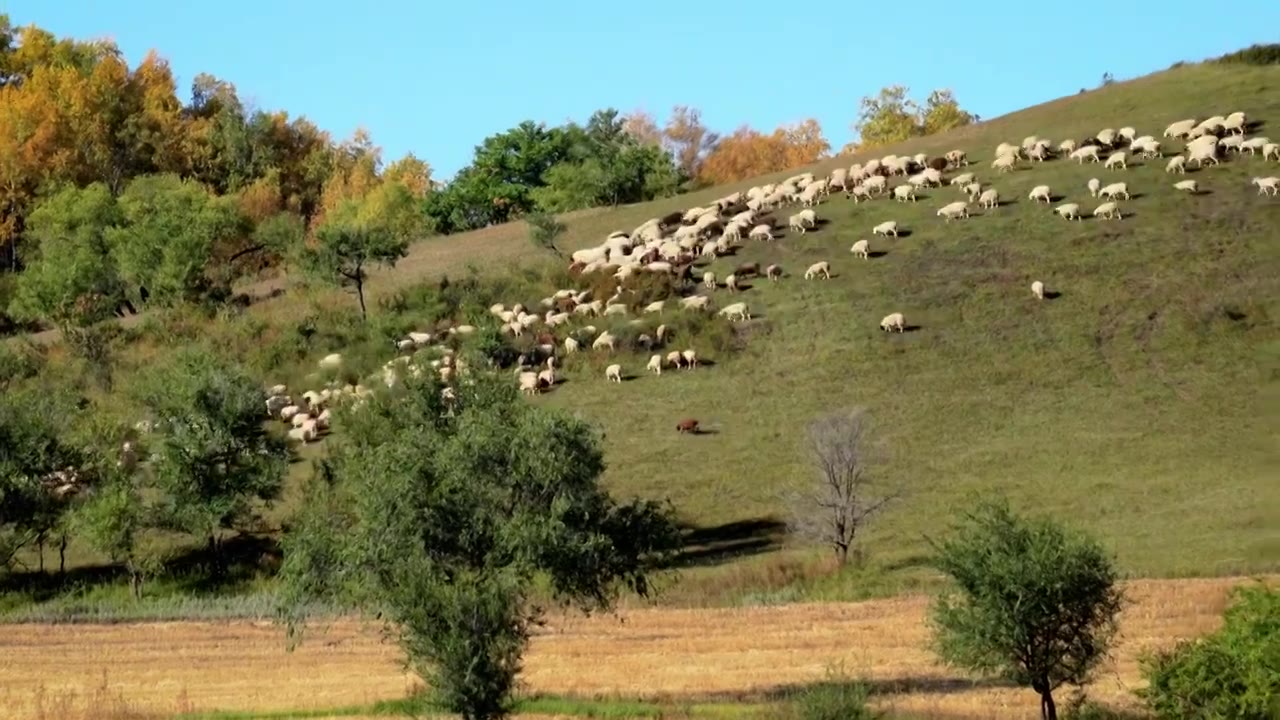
column 1253, row 55
column 1233, row 673
column 836, row 698
column 19, row 361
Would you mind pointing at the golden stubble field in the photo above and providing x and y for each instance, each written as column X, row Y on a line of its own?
column 696, row 654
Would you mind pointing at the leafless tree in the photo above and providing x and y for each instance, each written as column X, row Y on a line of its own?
column 835, row 506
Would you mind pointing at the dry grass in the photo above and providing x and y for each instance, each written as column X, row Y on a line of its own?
column 708, row 655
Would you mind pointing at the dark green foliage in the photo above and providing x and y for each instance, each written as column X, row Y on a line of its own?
column 1259, row 54
column 544, row 229
column 442, row 521
column 834, row 699
column 1232, row 673
column 1036, row 606
column 211, row 457
column 343, row 252
column 19, row 361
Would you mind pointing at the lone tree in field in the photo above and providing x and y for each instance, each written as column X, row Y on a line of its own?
column 838, row 502
column 544, row 230
column 1037, row 604
column 442, row 523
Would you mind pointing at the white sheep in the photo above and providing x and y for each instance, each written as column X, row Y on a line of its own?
column 862, row 249
column 761, row 232
column 903, row 193
column 528, row 382
column 888, row 227
column 695, row 302
column 1094, row 185
column 1115, row 159
column 675, row 359
column 614, row 373
column 802, row 220
column 306, row 433
column 894, row 321
column 1108, row 210
column 736, row 311
column 1004, row 163
column 605, row 340
column 954, row 210
column 277, row 390
column 1070, row 211
column 610, row 309
column 300, row 419
column 822, row 268
column 989, row 199
column 655, row 306
column 1269, row 150
column 1200, row 154
column 1037, row 289
column 956, row 157
column 1040, row 192
column 1067, row 146
column 655, row 365
column 1267, row 185
column 287, row 412
column 1187, row 186
column 709, row 280
column 1178, row 164
column 1114, row 189
column 1088, row 152
column 1127, row 134
column 962, row 179
column 731, row 282
column 1180, row 128
column 690, row 359
column 331, row 361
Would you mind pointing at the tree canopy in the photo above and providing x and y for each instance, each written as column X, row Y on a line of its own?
column 893, row 117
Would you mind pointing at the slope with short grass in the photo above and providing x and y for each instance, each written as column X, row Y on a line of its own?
column 1139, row 403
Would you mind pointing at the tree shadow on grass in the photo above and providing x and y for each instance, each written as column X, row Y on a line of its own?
column 713, row 545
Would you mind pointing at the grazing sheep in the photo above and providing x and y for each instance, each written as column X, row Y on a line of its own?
column 331, row 361
column 709, row 280
column 1267, row 185
column 675, row 359
column 962, row 179
column 954, row 210
column 888, row 227
column 528, row 382
column 773, row 272
column 822, row 268
column 1187, row 186
column 1088, row 152
column 690, row 359
column 1108, row 210
column 1114, row 189
column 605, row 340
column 973, row 190
column 1199, row 154
column 802, row 220
column 1004, row 163
column 1269, row 150
column 862, row 249
column 989, row 199
column 688, row 425
column 1177, row 164
column 903, row 193
column 655, row 365
column 1040, row 192
column 275, row 404
column 1094, row 185
column 894, row 321
column 324, row 419
column 610, row 309
column 1067, row 146
column 287, row 412
column 736, row 311
column 614, row 373
column 694, row 302
column 761, row 232
column 1037, row 289
column 731, row 282
column 1070, row 211
column 655, row 306
column 957, row 157
column 570, row 346
column 306, row 433
column 1180, row 128
column 1115, row 159
column 277, row 390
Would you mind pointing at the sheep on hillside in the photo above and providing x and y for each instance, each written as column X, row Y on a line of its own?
column 1040, row 192
column 1108, row 210
column 894, row 321
column 989, row 199
column 802, row 220
column 1187, row 186
column 1070, row 211
column 613, row 373
column 822, row 268
column 889, row 227
column 773, row 272
column 1094, row 185
column 736, row 311
column 1114, row 189
column 1037, row 289
column 1177, row 164
column 1267, row 185
column 862, row 249
column 953, row 210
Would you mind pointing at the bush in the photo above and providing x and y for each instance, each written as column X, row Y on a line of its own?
column 1233, row 673
column 19, row 361
column 837, row 698
column 1253, row 55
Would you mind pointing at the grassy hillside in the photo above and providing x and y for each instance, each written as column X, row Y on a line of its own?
column 1141, row 404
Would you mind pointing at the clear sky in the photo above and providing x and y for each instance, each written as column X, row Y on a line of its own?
column 435, row 77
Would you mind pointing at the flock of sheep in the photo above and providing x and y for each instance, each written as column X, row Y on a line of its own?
column 671, row 245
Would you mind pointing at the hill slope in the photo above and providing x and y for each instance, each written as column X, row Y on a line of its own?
column 1141, row 404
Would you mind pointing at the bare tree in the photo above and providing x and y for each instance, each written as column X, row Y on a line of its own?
column 837, row 503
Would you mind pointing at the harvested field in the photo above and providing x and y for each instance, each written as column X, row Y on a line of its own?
column 718, row 654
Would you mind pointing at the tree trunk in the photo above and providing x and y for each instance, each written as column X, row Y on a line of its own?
column 62, row 554
column 1048, row 710
column 842, row 554
column 40, row 546
column 364, row 312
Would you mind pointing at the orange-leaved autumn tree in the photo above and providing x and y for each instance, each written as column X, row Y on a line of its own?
column 748, row 152
column 411, row 172
column 689, row 141
column 641, row 126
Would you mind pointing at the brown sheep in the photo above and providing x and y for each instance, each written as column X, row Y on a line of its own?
column 748, row 269
column 688, row 425
column 938, row 164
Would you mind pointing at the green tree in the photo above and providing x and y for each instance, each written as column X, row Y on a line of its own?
column 442, row 522
column 346, row 245
column 888, row 118
column 113, row 521
column 211, row 458
column 169, row 232
column 941, row 112
column 544, row 230
column 1232, row 673
column 71, row 279
column 1037, row 604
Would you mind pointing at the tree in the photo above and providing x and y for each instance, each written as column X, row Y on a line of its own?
column 211, row 457
column 71, row 279
column 749, row 153
column 1230, row 673
column 411, row 172
column 893, row 117
column 641, row 126
column 543, row 231
column 942, row 112
column 444, row 521
column 168, row 237
column 113, row 521
column 1037, row 604
column 344, row 249
column 837, row 504
column 688, row 139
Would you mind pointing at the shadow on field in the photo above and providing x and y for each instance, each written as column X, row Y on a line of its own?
column 888, row 686
column 720, row 543
column 1052, row 294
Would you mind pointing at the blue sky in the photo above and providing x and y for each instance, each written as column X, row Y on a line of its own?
column 435, row 77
